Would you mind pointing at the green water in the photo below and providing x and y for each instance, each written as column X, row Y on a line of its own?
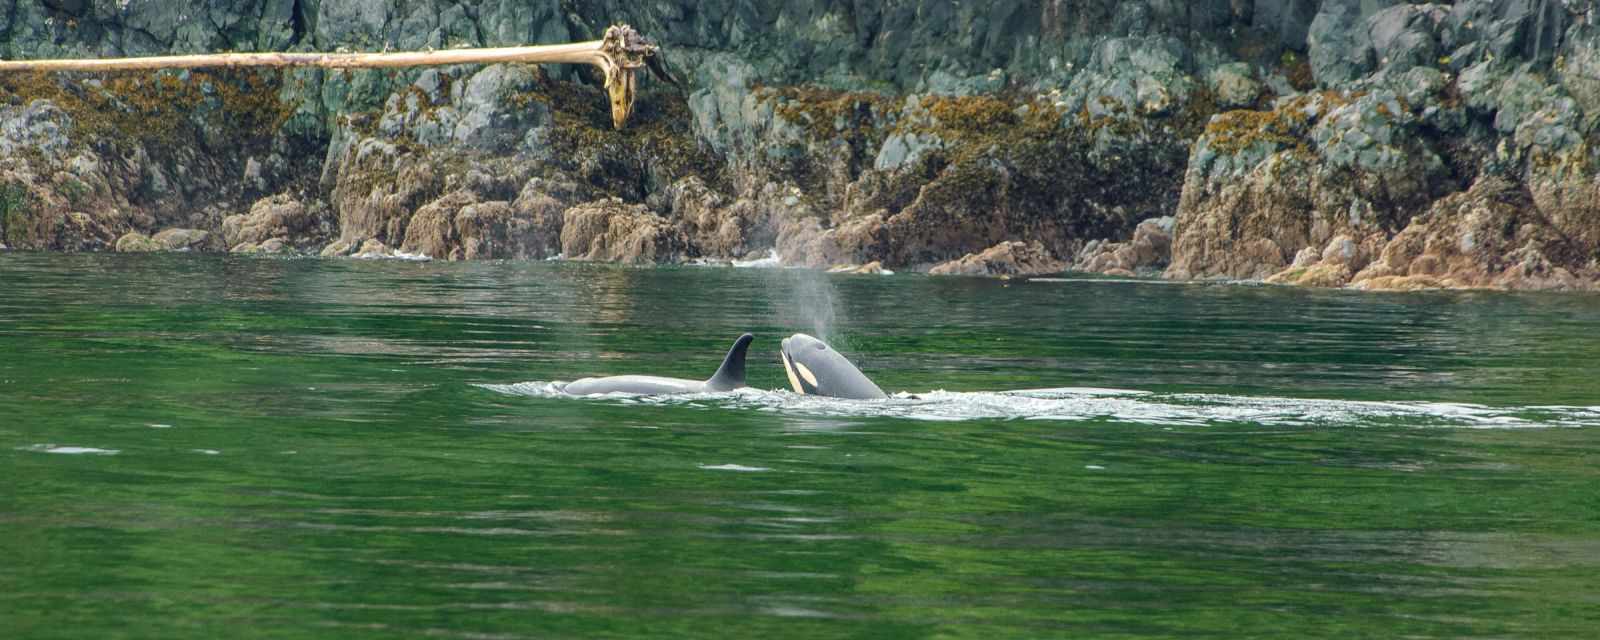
column 200, row 447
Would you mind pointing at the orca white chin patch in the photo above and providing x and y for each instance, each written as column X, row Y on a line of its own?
column 788, row 369
column 806, row 374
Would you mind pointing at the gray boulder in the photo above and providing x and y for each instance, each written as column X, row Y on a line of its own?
column 1406, row 36
column 1478, row 30
column 135, row 242
column 1579, row 70
column 492, row 116
column 1234, row 85
column 1338, row 44
column 1287, row 20
column 184, row 240
column 904, row 148
column 40, row 126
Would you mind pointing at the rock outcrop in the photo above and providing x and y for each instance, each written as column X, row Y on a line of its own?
column 611, row 231
column 281, row 220
column 1490, row 236
column 1309, row 142
column 1435, row 122
column 1262, row 185
column 1147, row 253
column 1006, row 259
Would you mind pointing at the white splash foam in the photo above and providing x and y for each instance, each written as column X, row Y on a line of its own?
column 530, row 389
column 50, row 448
column 397, row 255
column 770, row 262
column 1136, row 280
column 1109, row 405
column 209, row 452
column 732, row 467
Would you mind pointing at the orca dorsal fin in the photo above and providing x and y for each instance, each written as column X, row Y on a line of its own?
column 730, row 375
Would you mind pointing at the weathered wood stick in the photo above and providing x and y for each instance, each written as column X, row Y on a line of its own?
column 576, row 53
column 619, row 55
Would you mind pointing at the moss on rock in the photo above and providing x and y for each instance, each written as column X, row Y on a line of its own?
column 15, row 210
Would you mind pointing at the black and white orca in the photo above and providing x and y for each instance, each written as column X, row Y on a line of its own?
column 816, row 369
column 729, row 376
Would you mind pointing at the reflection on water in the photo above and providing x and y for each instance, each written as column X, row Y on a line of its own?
column 196, row 446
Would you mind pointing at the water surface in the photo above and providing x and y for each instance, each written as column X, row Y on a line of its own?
column 200, row 446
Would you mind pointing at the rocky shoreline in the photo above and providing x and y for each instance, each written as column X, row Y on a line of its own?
column 1369, row 144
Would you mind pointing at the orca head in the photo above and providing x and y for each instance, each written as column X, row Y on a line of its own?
column 816, row 369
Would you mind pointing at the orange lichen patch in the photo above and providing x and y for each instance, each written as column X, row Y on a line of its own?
column 1234, row 131
column 823, row 110
column 156, row 108
column 974, row 125
column 979, row 127
column 971, row 114
column 1120, row 126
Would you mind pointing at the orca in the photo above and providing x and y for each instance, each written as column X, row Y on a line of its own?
column 816, row 369
column 729, row 376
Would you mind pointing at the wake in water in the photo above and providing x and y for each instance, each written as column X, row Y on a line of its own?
column 1108, row 405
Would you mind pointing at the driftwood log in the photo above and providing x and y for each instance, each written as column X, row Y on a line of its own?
column 619, row 55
